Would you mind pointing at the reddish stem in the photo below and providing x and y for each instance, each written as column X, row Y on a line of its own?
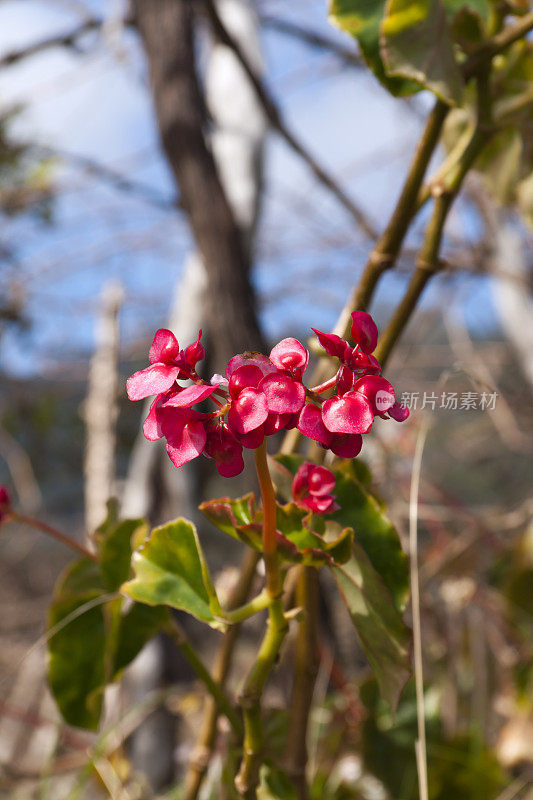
column 61, row 537
column 322, row 387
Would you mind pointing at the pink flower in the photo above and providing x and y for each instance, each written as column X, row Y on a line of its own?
column 167, row 364
column 5, row 503
column 364, row 331
column 249, row 407
column 378, row 392
column 184, row 431
column 312, row 486
column 226, row 451
column 284, row 394
column 332, row 344
column 291, row 356
column 351, row 413
column 260, row 396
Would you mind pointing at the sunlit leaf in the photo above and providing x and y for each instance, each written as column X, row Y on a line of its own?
column 417, row 44
column 362, row 19
column 297, row 541
column 170, row 569
column 114, row 542
column 384, row 637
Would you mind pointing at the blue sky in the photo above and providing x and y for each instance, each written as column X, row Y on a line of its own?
column 97, row 105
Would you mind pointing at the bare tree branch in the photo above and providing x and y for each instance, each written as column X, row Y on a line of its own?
column 275, row 118
column 348, row 55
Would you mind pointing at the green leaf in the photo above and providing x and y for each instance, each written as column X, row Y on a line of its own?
column 373, row 531
column 229, row 515
column 95, row 640
column 298, row 542
column 384, row 636
column 461, row 767
column 76, row 668
column 114, row 542
column 170, row 569
column 136, row 628
column 417, row 44
column 362, row 19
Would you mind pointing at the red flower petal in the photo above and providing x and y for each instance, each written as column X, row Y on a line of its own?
column 284, row 394
column 332, row 344
column 301, row 479
column 265, row 364
column 319, row 505
column 151, row 426
column 349, row 414
column 364, row 331
column 189, row 396
column 344, row 380
column 186, row 443
column 398, row 412
column 311, row 425
column 290, row 354
column 165, row 347
column 222, row 446
column 377, row 390
column 253, row 439
column 277, row 422
column 248, row 411
column 155, row 379
column 5, row 502
column 194, row 352
column 346, row 445
column 249, row 375
column 321, row 481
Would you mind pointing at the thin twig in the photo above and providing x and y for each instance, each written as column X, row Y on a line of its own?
column 276, row 120
column 347, row 55
column 420, row 744
column 53, row 532
column 179, row 637
column 429, row 261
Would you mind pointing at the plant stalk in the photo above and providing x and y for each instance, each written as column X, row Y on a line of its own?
column 429, row 262
column 277, row 626
column 206, row 740
column 305, row 672
column 54, row 533
column 179, row 637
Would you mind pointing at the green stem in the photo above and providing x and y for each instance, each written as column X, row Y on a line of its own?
column 247, row 610
column 206, row 740
column 250, row 697
column 429, row 262
column 179, row 637
column 305, row 671
column 54, row 533
column 387, row 249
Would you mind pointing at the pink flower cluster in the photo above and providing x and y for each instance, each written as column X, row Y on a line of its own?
column 312, row 487
column 260, row 396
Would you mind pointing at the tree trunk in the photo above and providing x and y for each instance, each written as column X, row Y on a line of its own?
column 166, row 27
